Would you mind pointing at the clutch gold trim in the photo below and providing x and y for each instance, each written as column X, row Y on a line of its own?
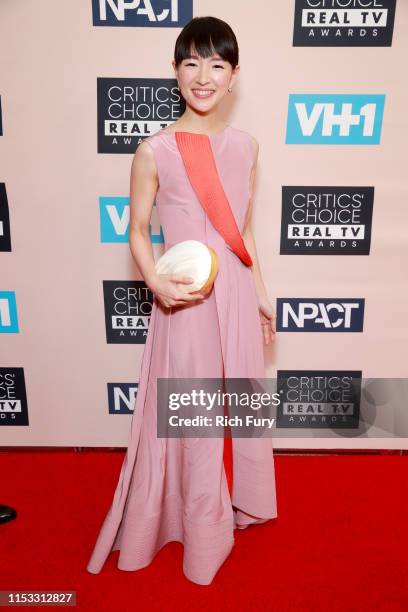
column 191, row 258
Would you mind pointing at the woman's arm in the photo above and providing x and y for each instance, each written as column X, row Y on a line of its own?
column 144, row 183
column 143, row 187
column 265, row 308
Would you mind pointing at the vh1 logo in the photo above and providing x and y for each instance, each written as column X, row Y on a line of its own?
column 8, row 313
column 114, row 215
column 334, row 118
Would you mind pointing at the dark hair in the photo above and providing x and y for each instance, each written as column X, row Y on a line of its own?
column 207, row 35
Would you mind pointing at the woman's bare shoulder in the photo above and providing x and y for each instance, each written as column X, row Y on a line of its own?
column 144, row 160
column 249, row 138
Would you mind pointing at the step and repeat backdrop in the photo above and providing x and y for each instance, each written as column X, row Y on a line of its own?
column 323, row 88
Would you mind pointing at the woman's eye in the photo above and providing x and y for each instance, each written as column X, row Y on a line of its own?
column 193, row 64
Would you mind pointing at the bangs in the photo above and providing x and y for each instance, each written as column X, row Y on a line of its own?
column 207, row 36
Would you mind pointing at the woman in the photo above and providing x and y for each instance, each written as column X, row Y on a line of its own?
column 173, row 489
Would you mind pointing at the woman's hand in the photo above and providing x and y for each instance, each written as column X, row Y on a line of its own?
column 169, row 294
column 268, row 320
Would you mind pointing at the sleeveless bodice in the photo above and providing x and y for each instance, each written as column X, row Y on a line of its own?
column 181, row 215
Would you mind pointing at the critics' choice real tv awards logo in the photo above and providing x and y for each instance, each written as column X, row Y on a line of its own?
column 335, row 119
column 142, row 13
column 5, row 237
column 343, row 23
column 122, row 397
column 128, row 306
column 320, row 314
column 319, row 398
column 132, row 109
column 13, row 398
column 114, row 215
column 326, row 220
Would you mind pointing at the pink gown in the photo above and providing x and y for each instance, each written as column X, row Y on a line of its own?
column 175, row 489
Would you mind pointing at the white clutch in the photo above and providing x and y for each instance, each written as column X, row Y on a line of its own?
column 190, row 258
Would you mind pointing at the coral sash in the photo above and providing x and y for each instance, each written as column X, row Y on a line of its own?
column 199, row 162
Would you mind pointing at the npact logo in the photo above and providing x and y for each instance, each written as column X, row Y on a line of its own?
column 138, row 13
column 320, row 314
column 334, row 118
column 122, row 397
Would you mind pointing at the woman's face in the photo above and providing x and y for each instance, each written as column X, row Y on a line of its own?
column 203, row 82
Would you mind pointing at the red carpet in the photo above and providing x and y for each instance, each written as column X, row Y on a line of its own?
column 339, row 543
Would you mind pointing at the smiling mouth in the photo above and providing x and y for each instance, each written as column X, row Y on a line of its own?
column 202, row 93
